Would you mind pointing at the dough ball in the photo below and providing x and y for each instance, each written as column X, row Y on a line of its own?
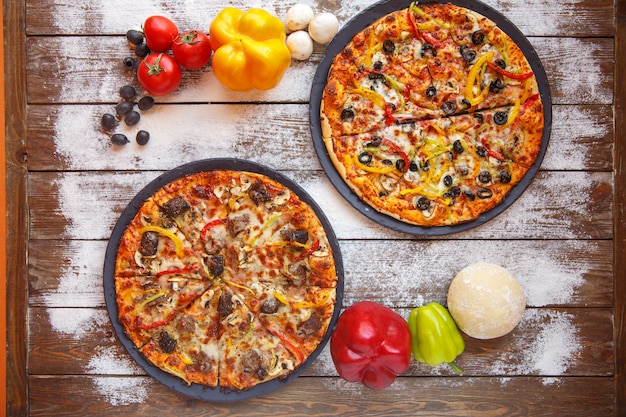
column 486, row 301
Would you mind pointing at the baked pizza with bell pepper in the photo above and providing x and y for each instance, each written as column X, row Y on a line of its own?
column 432, row 114
column 225, row 279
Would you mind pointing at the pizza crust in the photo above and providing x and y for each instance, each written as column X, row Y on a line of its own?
column 486, row 301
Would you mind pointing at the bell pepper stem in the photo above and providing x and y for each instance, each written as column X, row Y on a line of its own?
column 455, row 368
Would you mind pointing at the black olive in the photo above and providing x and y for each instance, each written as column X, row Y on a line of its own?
column 129, row 62
column 134, row 36
column 400, row 165
column 128, row 91
column 500, row 117
column 142, row 137
column 505, row 177
column 478, row 37
column 422, row 203
column 500, row 63
column 166, row 343
column 383, row 193
column 347, row 115
column 387, row 162
column 431, row 92
column 132, row 118
column 378, row 65
column 142, row 50
column 479, row 117
column 425, row 166
column 124, row 107
column 149, row 243
column 467, row 54
column 389, row 46
column 119, row 139
column 413, row 166
column 449, row 107
column 484, row 177
column 176, row 206
column 458, row 146
column 428, row 49
column 455, row 191
column 447, row 180
column 145, row 103
column 496, row 85
column 484, row 193
column 108, row 121
column 469, row 195
column 365, row 157
column 481, row 151
column 467, row 103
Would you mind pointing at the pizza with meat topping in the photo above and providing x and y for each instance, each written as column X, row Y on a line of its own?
column 432, row 114
column 225, row 279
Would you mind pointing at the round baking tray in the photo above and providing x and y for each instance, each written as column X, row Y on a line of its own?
column 194, row 390
column 354, row 26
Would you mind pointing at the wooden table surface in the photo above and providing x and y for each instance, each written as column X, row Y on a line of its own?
column 564, row 239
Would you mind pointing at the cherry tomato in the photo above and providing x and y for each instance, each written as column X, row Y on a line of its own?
column 192, row 49
column 159, row 74
column 160, row 32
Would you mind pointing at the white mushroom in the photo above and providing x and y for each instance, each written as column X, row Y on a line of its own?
column 323, row 27
column 298, row 17
column 300, row 45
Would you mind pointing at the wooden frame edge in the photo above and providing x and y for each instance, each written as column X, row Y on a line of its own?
column 14, row 15
column 619, row 237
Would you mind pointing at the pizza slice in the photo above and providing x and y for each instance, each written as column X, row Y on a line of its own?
column 188, row 346
column 153, row 245
column 249, row 353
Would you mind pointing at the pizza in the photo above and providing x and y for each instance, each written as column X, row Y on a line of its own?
column 432, row 114
column 226, row 279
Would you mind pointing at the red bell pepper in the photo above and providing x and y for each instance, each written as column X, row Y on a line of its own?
column 371, row 344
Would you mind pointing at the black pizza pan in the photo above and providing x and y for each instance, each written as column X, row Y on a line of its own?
column 194, row 390
column 360, row 22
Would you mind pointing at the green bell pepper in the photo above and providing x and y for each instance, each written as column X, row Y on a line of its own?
column 435, row 339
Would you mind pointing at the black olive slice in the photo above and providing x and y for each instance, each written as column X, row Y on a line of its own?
column 496, row 85
column 467, row 54
column 478, row 37
column 413, row 166
column 484, row 177
column 347, row 115
column 500, row 117
column 422, row 203
column 428, row 49
column 484, row 193
column 505, row 177
column 458, row 146
column 400, row 165
column 365, row 158
column 431, row 92
column 449, row 107
column 389, row 46
column 447, row 180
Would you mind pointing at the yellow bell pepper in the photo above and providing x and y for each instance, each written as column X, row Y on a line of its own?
column 250, row 50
